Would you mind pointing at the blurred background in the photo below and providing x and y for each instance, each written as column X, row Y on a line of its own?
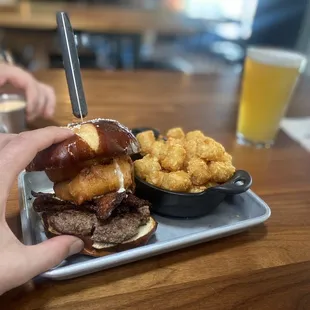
column 190, row 36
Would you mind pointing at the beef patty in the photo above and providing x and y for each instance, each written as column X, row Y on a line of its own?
column 122, row 224
column 121, row 227
column 72, row 222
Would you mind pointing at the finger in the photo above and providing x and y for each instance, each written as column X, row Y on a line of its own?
column 19, row 152
column 39, row 105
column 5, row 138
column 26, row 262
column 15, row 75
column 2, row 80
column 19, row 78
column 33, row 100
column 50, row 100
column 50, row 253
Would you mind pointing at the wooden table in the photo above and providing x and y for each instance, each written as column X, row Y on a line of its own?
column 267, row 267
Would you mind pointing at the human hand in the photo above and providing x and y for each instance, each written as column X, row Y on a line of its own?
column 41, row 99
column 18, row 262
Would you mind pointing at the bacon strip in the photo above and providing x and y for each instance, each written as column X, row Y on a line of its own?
column 103, row 207
column 50, row 203
column 135, row 202
column 107, row 203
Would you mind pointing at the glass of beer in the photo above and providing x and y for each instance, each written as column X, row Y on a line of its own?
column 269, row 79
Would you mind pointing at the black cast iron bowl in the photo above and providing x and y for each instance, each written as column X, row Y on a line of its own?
column 186, row 205
column 189, row 205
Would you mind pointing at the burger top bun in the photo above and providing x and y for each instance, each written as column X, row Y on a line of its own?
column 99, row 137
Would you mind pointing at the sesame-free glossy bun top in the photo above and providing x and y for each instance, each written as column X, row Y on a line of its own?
column 99, row 137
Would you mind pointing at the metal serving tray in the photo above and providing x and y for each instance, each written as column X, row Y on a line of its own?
column 235, row 214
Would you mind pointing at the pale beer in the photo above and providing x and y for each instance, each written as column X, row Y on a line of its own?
column 270, row 76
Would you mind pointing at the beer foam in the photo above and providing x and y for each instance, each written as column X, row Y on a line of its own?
column 277, row 57
column 12, row 105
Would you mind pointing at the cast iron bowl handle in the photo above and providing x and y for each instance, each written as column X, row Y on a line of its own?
column 240, row 182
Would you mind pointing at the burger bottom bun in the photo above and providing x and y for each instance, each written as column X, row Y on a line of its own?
column 102, row 249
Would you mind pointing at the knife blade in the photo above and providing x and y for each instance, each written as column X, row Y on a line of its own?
column 71, row 65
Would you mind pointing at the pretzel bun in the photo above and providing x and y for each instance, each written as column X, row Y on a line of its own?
column 101, row 249
column 99, row 137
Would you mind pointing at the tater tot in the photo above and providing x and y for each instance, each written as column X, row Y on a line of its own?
column 177, row 181
column 176, row 133
column 191, row 148
column 175, row 158
column 225, row 158
column 221, row 171
column 146, row 165
column 208, row 149
column 174, row 141
column 195, row 135
column 197, row 189
column 180, row 162
column 146, row 140
column 198, row 171
column 211, row 184
column 159, row 149
column 155, row 178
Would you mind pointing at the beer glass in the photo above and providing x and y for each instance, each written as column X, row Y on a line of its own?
column 269, row 79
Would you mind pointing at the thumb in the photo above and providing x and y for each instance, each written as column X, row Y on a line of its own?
column 50, row 253
column 2, row 80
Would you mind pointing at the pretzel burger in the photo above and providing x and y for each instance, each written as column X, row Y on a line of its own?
column 93, row 198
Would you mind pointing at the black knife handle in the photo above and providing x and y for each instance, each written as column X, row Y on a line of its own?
column 71, row 65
